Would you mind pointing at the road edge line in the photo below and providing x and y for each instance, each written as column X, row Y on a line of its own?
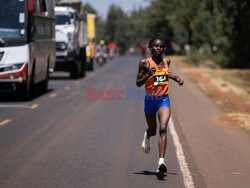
column 187, row 177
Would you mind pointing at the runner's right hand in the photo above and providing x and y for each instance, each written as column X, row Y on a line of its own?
column 152, row 71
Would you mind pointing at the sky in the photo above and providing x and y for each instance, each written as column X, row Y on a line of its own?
column 102, row 6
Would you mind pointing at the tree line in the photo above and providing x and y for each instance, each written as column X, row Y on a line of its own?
column 205, row 29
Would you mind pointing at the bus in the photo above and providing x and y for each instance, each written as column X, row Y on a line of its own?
column 27, row 45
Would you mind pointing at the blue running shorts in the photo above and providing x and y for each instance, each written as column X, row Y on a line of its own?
column 152, row 104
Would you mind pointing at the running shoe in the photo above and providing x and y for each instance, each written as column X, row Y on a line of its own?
column 162, row 168
column 145, row 144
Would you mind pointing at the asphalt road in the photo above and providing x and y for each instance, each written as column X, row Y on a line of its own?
column 88, row 133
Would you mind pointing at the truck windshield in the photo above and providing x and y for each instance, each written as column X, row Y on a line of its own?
column 64, row 19
column 12, row 19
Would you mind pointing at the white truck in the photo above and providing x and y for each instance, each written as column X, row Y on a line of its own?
column 27, row 45
column 71, row 38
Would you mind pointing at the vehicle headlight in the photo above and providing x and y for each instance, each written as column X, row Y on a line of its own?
column 63, row 46
column 13, row 67
column 69, row 36
column 70, row 46
column 70, row 43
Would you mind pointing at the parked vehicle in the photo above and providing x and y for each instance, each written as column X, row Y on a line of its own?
column 27, row 44
column 71, row 38
column 91, row 46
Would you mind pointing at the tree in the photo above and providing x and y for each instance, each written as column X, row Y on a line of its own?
column 220, row 26
column 88, row 8
column 239, row 38
column 158, row 23
column 117, row 28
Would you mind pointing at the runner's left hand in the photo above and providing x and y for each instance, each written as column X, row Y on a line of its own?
column 179, row 81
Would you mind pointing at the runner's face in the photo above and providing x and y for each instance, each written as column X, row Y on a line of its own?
column 158, row 47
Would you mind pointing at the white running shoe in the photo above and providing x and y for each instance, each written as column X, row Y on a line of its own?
column 162, row 167
column 145, row 144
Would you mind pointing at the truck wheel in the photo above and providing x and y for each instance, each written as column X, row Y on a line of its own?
column 83, row 61
column 82, row 71
column 91, row 65
column 45, row 83
column 75, row 70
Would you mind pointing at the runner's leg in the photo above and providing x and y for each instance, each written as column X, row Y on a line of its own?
column 164, row 115
column 151, row 121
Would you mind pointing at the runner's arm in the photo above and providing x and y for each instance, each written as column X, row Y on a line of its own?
column 143, row 73
column 176, row 78
column 173, row 76
column 168, row 61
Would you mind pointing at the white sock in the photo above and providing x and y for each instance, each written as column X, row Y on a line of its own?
column 145, row 136
column 161, row 160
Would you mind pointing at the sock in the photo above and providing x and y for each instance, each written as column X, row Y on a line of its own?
column 161, row 160
column 145, row 136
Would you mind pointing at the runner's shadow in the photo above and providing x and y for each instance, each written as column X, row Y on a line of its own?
column 159, row 176
column 148, row 173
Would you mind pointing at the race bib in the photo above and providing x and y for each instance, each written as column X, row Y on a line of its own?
column 161, row 78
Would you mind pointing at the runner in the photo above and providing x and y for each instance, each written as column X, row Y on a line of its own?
column 143, row 50
column 101, row 52
column 154, row 73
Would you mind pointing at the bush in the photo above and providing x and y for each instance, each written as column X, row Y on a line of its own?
column 221, row 59
column 197, row 56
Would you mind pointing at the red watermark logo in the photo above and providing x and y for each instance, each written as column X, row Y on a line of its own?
column 120, row 94
column 110, row 94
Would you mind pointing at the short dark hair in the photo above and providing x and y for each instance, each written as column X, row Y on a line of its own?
column 150, row 43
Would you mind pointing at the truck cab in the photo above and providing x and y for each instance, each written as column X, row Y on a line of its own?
column 71, row 38
column 66, row 49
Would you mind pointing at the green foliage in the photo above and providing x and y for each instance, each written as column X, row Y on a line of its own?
column 180, row 38
column 197, row 56
column 117, row 28
column 138, row 30
column 89, row 9
column 113, row 19
column 100, row 32
column 240, row 34
column 215, row 29
column 158, row 23
column 57, row 1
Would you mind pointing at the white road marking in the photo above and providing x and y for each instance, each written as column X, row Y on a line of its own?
column 188, row 180
column 14, row 106
column 19, row 106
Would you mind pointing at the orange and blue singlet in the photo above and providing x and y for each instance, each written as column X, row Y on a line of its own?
column 157, row 88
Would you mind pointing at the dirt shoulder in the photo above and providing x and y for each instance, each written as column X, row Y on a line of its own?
column 230, row 89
